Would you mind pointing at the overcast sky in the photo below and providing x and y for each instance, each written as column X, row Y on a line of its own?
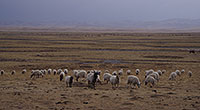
column 98, row 10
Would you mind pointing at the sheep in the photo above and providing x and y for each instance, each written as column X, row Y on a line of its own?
column 163, row 71
column 172, row 76
column 80, row 74
column 59, row 71
column 23, row 71
column 120, row 72
column 62, row 75
column 114, row 80
column 75, row 72
column 137, row 71
column 178, row 72
column 114, row 73
column 182, row 71
column 155, row 75
column 36, row 73
column 2, row 72
column 159, row 72
column 148, row 72
column 106, row 71
column 13, row 72
column 43, row 71
column 69, row 81
column 92, row 78
column 54, row 72
column 66, row 71
column 49, row 71
column 133, row 80
column 190, row 73
column 151, row 80
column 128, row 72
column 106, row 77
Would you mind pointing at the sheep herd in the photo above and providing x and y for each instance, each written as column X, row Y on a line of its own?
column 151, row 76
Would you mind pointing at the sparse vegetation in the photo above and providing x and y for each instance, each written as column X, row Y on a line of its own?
column 102, row 51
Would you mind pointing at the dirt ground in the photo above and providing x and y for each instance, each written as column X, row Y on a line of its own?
column 103, row 51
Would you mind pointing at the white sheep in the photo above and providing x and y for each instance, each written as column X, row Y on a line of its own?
column 159, row 72
column 59, row 71
column 2, row 72
column 92, row 78
column 114, row 73
column 13, row 72
column 178, row 72
column 62, row 75
column 106, row 77
column 106, row 71
column 66, row 71
column 133, row 80
column 69, row 81
column 182, row 71
column 163, row 71
column 155, row 75
column 44, row 71
column 137, row 71
column 49, row 71
column 148, row 72
column 128, row 72
column 190, row 73
column 80, row 74
column 24, row 71
column 114, row 80
column 54, row 72
column 150, row 79
column 120, row 72
column 172, row 76
column 36, row 73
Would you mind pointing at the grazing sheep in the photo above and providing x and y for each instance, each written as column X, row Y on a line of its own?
column 62, row 75
column 23, row 71
column 150, row 79
column 163, row 71
column 2, row 72
column 114, row 80
column 120, row 72
column 54, row 72
column 148, row 72
column 59, row 71
column 137, row 71
column 49, row 71
column 66, row 71
column 69, row 80
column 80, row 74
column 75, row 72
column 44, row 71
column 114, row 73
column 13, row 72
column 178, row 72
column 155, row 75
column 182, row 71
column 159, row 72
column 172, row 76
column 128, row 72
column 92, row 78
column 190, row 73
column 133, row 80
column 106, row 77
column 106, row 71
column 36, row 73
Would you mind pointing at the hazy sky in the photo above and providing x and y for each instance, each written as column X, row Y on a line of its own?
column 98, row 10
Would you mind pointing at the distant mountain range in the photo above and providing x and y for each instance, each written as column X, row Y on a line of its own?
column 163, row 24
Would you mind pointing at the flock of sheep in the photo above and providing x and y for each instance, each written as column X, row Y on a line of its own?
column 93, row 76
